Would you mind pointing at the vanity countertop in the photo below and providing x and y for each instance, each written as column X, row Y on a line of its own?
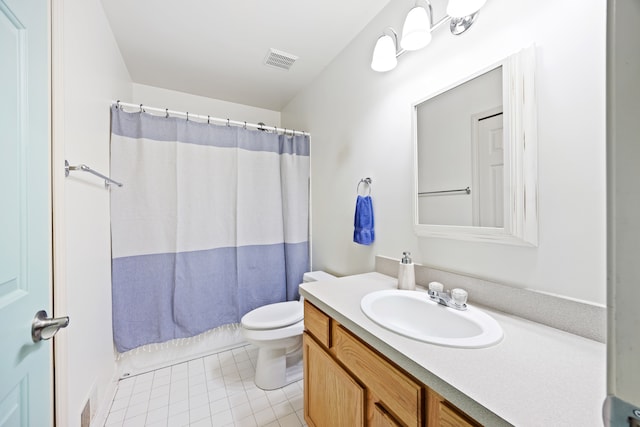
column 536, row 376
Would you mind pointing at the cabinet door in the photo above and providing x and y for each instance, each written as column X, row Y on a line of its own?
column 331, row 397
column 381, row 418
column 442, row 414
column 400, row 394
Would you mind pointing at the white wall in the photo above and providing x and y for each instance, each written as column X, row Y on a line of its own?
column 88, row 73
column 180, row 101
column 360, row 124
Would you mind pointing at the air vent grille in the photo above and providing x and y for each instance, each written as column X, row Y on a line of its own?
column 279, row 59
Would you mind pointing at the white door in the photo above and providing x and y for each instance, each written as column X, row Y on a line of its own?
column 488, row 181
column 25, row 213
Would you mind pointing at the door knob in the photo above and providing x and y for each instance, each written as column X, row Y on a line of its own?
column 43, row 328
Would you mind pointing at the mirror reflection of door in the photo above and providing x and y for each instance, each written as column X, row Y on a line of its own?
column 451, row 139
column 488, row 166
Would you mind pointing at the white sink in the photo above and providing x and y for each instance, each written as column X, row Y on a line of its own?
column 414, row 315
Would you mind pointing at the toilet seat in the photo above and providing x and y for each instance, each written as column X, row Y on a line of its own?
column 273, row 316
column 267, row 335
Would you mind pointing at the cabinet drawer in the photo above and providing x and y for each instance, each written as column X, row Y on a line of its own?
column 317, row 323
column 400, row 394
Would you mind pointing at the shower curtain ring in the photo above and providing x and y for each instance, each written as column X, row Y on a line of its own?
column 166, row 110
column 208, row 119
column 228, row 122
column 118, row 104
column 141, row 108
column 245, row 124
column 187, row 116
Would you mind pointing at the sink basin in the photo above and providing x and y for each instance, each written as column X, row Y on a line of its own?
column 414, row 315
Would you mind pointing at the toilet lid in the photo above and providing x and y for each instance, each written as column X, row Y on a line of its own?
column 273, row 316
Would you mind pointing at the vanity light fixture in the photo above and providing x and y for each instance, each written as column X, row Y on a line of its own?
column 417, row 28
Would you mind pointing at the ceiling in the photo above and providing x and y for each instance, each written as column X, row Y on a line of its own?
column 216, row 48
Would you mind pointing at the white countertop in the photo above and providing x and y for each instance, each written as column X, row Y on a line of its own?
column 536, row 376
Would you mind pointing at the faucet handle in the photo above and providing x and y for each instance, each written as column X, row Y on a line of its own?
column 436, row 286
column 459, row 296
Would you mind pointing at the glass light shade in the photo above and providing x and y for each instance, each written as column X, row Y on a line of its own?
column 384, row 54
column 416, row 32
column 462, row 8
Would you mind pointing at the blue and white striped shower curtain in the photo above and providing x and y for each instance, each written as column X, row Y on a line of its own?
column 212, row 222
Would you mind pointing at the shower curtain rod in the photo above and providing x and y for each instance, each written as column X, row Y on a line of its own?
column 209, row 119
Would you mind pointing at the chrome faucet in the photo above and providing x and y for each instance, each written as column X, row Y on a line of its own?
column 456, row 299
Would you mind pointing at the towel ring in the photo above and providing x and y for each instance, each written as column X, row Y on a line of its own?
column 368, row 182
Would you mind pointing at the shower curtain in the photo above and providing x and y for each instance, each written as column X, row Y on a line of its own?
column 212, row 222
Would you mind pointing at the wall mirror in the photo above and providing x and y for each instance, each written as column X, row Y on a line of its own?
column 475, row 156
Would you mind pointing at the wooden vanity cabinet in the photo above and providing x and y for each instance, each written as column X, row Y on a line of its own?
column 347, row 383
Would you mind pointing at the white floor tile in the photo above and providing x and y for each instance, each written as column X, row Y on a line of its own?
column 222, row 419
column 135, row 421
column 297, row 402
column 283, row 409
column 159, row 414
column 115, row 417
column 238, row 399
column 220, row 406
column 290, row 420
column 158, row 402
column 249, row 421
column 136, row 410
column 265, row 416
column 198, row 413
column 241, row 411
column 260, row 403
column 276, row 396
column 179, row 407
column 178, row 420
column 198, row 401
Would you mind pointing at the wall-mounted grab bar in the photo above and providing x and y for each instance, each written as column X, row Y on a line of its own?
column 107, row 181
column 461, row 190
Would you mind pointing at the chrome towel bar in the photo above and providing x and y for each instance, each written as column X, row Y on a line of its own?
column 461, row 190
column 107, row 181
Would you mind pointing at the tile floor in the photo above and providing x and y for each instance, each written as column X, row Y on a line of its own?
column 215, row 390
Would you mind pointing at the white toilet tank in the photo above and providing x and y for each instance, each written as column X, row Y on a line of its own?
column 314, row 276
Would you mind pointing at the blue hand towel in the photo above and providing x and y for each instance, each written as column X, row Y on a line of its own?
column 363, row 232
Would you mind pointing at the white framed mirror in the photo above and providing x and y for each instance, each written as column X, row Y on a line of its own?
column 475, row 156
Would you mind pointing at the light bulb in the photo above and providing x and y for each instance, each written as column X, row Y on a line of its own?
column 384, row 54
column 416, row 32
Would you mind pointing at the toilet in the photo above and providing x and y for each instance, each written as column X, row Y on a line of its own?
column 276, row 329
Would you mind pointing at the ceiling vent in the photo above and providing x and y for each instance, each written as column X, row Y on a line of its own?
column 279, row 59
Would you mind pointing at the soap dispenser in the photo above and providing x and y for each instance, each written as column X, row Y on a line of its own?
column 406, row 273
